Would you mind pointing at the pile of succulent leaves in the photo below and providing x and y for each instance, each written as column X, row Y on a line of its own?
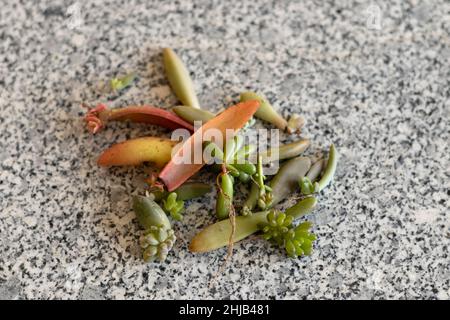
column 236, row 163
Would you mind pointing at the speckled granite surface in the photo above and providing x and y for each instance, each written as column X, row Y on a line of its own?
column 378, row 88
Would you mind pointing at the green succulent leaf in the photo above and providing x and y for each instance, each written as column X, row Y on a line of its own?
column 121, row 83
column 306, row 186
column 173, row 206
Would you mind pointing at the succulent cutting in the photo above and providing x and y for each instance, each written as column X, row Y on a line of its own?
column 234, row 164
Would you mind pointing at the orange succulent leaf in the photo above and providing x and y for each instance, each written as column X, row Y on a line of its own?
column 135, row 151
column 175, row 174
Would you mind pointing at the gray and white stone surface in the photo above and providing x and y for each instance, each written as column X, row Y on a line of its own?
column 370, row 76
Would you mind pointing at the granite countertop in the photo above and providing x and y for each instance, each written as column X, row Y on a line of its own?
column 371, row 76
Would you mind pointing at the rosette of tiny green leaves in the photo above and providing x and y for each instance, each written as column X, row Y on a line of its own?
column 173, row 206
column 158, row 237
column 156, row 242
column 297, row 241
column 118, row 84
column 307, row 187
column 236, row 151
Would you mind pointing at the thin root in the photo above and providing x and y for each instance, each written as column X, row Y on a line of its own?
column 232, row 217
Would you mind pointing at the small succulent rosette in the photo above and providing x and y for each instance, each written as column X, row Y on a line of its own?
column 297, row 241
column 156, row 242
column 158, row 237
